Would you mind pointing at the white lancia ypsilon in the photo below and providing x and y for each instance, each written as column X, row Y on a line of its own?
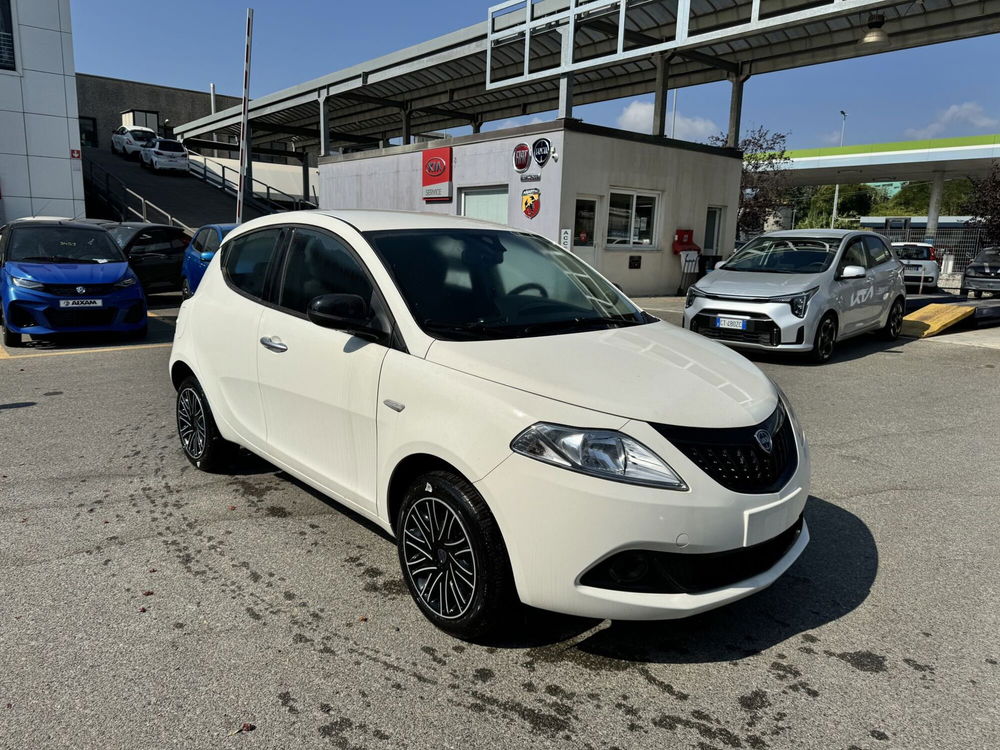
column 523, row 430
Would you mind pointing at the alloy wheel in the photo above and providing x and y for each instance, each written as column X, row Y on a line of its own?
column 438, row 557
column 826, row 336
column 895, row 320
column 191, row 424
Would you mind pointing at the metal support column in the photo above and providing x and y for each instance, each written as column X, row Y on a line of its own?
column 565, row 96
column 324, row 128
column 477, row 126
column 934, row 209
column 306, row 195
column 405, row 113
column 736, row 108
column 662, row 63
column 248, row 174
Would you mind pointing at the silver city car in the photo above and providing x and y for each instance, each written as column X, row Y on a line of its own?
column 800, row 291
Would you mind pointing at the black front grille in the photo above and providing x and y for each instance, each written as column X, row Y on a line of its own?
column 84, row 318
column 72, row 290
column 651, row 572
column 735, row 458
column 760, row 328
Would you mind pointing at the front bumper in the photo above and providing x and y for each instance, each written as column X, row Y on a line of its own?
column 181, row 166
column 770, row 325
column 558, row 525
column 37, row 313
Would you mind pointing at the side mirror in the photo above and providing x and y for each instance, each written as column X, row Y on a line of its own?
column 206, row 256
column 720, row 264
column 852, row 272
column 345, row 312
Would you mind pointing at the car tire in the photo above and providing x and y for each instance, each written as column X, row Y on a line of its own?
column 977, row 294
column 453, row 557
column 200, row 440
column 10, row 339
column 893, row 322
column 825, row 340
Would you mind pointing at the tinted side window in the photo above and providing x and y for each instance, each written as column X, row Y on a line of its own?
column 248, row 259
column 878, row 253
column 159, row 241
column 854, row 255
column 319, row 264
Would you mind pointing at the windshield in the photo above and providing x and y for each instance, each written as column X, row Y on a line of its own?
column 912, row 252
column 785, row 255
column 989, row 255
column 62, row 245
column 476, row 284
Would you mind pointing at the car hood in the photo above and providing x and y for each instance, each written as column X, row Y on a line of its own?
column 752, row 284
column 655, row 373
column 68, row 273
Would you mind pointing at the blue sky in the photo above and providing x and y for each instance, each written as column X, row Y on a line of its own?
column 936, row 91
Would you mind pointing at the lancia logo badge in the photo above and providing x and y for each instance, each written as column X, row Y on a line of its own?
column 763, row 438
column 541, row 150
column 81, row 290
column 522, row 157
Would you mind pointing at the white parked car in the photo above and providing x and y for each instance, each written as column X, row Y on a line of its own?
column 164, row 153
column 800, row 291
column 128, row 140
column 920, row 263
column 522, row 428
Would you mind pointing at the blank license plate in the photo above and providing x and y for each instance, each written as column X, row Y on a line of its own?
column 737, row 323
column 81, row 303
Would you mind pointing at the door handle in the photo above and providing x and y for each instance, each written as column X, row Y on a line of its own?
column 275, row 346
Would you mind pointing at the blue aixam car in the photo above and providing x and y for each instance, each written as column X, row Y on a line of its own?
column 62, row 276
column 199, row 254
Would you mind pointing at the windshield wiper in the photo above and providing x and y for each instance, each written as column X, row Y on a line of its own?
column 55, row 259
column 578, row 324
column 472, row 326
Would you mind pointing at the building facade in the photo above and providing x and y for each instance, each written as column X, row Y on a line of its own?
column 615, row 199
column 40, row 166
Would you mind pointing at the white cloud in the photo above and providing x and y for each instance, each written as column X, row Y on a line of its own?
column 831, row 139
column 638, row 117
column 958, row 117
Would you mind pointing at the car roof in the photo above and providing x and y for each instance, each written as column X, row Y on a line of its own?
column 224, row 227
column 815, row 232
column 374, row 220
column 918, row 244
column 54, row 221
column 139, row 127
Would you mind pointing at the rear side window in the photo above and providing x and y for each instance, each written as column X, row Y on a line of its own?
column 319, row 264
column 248, row 260
column 211, row 241
column 199, row 240
column 878, row 253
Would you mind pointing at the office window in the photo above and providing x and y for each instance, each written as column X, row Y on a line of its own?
column 488, row 204
column 88, row 130
column 7, row 60
column 631, row 219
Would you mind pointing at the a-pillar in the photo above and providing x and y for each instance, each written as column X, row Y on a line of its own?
column 566, row 96
column 736, row 107
column 934, row 208
column 662, row 63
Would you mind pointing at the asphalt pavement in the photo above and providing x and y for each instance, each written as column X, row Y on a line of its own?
column 146, row 605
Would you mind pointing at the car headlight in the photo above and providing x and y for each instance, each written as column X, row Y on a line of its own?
column 970, row 271
column 26, row 283
column 125, row 281
column 693, row 292
column 601, row 453
column 798, row 302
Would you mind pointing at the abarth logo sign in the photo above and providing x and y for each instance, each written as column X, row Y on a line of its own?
column 531, row 202
column 522, row 157
column 763, row 438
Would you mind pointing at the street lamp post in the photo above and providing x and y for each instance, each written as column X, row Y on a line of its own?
column 836, row 189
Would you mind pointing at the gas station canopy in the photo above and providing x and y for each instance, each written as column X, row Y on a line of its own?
column 534, row 56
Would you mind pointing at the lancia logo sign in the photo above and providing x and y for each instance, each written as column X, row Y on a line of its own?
column 541, row 150
column 81, row 290
column 522, row 157
column 763, row 438
column 436, row 166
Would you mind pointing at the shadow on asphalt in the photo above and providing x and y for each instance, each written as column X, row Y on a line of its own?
column 855, row 348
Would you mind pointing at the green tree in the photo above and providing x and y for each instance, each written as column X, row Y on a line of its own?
column 914, row 199
column 983, row 205
column 763, row 183
column 854, row 202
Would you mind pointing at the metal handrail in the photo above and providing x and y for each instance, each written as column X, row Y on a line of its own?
column 199, row 168
column 123, row 208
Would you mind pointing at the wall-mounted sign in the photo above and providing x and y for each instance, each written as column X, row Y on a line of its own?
column 522, row 157
column 436, row 174
column 566, row 238
column 74, row 153
column 531, row 178
column 635, row 261
column 531, row 202
column 541, row 150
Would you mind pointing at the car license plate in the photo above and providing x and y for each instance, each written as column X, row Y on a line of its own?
column 737, row 323
column 81, row 303
column 914, row 269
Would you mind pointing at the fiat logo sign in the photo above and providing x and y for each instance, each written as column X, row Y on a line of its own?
column 436, row 166
column 522, row 157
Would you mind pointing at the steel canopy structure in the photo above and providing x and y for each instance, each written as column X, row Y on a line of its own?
column 544, row 55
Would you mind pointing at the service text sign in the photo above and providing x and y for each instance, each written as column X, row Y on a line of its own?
column 436, row 174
